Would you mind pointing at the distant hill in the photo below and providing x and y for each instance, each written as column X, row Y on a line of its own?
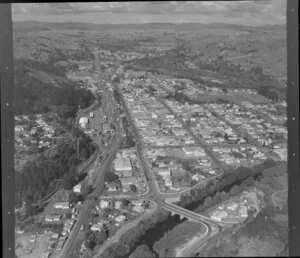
column 37, row 25
column 247, row 46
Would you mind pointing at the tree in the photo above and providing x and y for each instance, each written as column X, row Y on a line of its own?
column 86, row 191
column 142, row 251
column 110, row 177
column 101, row 237
column 91, row 241
column 73, row 197
column 70, row 181
column 125, row 202
column 133, row 188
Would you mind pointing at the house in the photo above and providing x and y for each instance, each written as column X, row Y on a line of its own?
column 111, row 187
column 232, row 206
column 138, row 208
column 122, row 164
column 55, row 236
column 243, row 211
column 20, row 231
column 120, row 218
column 195, row 177
column 77, row 188
column 168, row 181
column 68, row 226
column 96, row 227
column 219, row 215
column 164, row 172
column 104, row 204
column 137, row 202
column 61, row 205
column 118, row 205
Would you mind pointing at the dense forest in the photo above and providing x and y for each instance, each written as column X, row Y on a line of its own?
column 34, row 96
column 40, row 175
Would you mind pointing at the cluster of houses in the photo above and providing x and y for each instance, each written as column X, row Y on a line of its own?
column 264, row 132
column 205, row 125
column 246, row 156
column 59, row 239
column 157, row 126
column 118, row 216
column 238, row 209
column 40, row 133
column 276, row 112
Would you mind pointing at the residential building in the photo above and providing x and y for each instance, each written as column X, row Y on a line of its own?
column 61, row 205
column 219, row 215
column 96, row 227
column 104, row 204
column 120, row 218
column 77, row 188
column 118, row 205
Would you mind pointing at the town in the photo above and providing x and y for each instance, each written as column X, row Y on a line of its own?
column 149, row 140
column 185, row 145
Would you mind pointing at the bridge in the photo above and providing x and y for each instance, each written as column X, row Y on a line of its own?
column 192, row 216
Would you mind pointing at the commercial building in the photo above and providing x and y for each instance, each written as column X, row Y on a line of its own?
column 128, row 181
column 83, row 121
column 123, row 164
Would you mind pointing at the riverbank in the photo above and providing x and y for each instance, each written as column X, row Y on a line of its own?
column 124, row 229
column 181, row 250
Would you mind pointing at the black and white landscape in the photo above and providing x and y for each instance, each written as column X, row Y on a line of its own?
column 150, row 129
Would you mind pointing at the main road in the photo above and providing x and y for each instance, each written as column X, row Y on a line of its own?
column 90, row 203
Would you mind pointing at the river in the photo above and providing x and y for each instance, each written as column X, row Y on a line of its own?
column 155, row 233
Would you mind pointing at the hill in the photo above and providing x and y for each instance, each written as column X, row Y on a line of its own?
column 242, row 45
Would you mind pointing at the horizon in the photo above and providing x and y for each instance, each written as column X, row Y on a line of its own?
column 246, row 13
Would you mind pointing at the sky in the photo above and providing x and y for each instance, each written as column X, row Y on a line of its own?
column 252, row 13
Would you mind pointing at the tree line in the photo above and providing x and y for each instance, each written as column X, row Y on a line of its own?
column 34, row 96
column 39, row 176
column 229, row 178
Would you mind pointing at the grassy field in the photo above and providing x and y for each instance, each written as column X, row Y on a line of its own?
column 178, row 236
column 46, row 78
column 235, row 97
column 35, row 250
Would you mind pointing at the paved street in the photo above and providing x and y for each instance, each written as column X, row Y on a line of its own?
column 89, row 204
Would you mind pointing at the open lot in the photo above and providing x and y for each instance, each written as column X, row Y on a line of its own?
column 26, row 249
